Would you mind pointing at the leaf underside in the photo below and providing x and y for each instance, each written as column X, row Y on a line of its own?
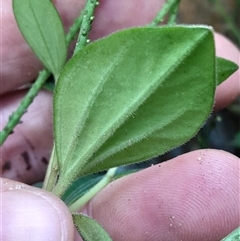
column 132, row 96
column 41, row 27
column 89, row 229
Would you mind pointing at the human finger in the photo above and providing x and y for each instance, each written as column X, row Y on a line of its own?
column 29, row 213
column 192, row 197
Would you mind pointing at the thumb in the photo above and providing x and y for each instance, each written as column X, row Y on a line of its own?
column 29, row 213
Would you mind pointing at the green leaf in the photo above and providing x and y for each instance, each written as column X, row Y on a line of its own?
column 90, row 229
column 84, row 184
column 233, row 236
column 224, row 69
column 80, row 187
column 132, row 96
column 41, row 27
column 236, row 141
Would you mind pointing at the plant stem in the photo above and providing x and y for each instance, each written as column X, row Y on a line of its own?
column 74, row 28
column 167, row 7
column 93, row 191
column 52, row 172
column 86, row 24
column 173, row 14
column 16, row 116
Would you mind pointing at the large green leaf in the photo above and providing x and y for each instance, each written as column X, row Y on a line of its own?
column 131, row 96
column 41, row 26
column 89, row 229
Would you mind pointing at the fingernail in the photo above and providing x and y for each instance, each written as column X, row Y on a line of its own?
column 28, row 215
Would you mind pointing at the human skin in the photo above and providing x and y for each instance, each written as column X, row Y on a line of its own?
column 192, row 197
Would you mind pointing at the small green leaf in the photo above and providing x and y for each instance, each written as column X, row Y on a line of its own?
column 224, row 69
column 132, row 96
column 84, row 184
column 90, row 229
column 236, row 141
column 80, row 187
column 41, row 27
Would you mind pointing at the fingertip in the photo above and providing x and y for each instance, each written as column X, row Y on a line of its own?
column 192, row 197
column 30, row 213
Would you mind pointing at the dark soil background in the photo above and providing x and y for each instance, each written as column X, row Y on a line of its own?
column 222, row 15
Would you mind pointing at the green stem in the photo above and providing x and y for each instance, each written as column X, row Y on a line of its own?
column 74, row 29
column 167, row 7
column 93, row 191
column 52, row 172
column 16, row 116
column 172, row 19
column 86, row 24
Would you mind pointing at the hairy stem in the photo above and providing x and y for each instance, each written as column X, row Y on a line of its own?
column 173, row 14
column 52, row 172
column 88, row 16
column 93, row 191
column 74, row 29
column 167, row 7
column 16, row 116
